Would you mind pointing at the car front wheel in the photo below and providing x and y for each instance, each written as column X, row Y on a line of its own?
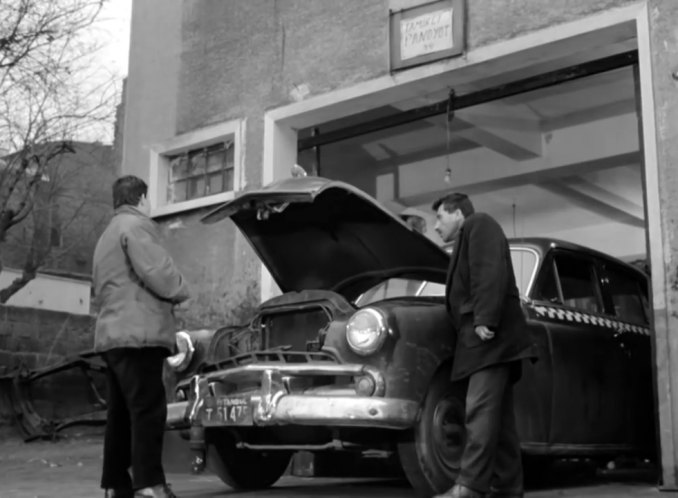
column 430, row 453
column 243, row 469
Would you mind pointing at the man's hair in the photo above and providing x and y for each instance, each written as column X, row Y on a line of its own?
column 455, row 201
column 128, row 190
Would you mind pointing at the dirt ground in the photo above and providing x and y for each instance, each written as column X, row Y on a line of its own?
column 70, row 468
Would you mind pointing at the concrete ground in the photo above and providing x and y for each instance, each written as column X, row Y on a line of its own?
column 70, row 469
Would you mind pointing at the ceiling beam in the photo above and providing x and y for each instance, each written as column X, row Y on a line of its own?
column 591, row 113
column 591, row 202
column 513, row 131
column 541, row 176
column 605, row 196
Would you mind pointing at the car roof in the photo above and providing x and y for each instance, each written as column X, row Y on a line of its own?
column 544, row 244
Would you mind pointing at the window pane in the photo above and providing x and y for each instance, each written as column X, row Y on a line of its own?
column 216, row 183
column 196, row 187
column 523, row 266
column 389, row 289
column 178, row 192
column 433, row 289
column 230, row 150
column 547, row 287
column 216, row 158
column 229, row 180
column 179, row 167
column 625, row 289
column 577, row 283
column 197, row 163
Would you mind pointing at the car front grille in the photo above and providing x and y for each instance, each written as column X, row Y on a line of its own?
column 271, row 356
column 296, row 330
column 270, row 333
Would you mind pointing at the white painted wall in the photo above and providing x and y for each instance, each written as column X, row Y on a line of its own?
column 50, row 292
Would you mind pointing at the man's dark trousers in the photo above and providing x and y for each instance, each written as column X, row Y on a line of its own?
column 491, row 456
column 137, row 411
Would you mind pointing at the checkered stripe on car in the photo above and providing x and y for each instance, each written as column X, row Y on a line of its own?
column 579, row 317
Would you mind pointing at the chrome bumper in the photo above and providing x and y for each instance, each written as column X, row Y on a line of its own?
column 176, row 415
column 339, row 411
column 274, row 405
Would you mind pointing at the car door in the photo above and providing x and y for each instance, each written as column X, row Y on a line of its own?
column 625, row 292
column 589, row 369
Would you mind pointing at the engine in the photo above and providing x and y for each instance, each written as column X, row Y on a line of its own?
column 295, row 321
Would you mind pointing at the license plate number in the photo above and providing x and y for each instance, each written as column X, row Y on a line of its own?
column 227, row 410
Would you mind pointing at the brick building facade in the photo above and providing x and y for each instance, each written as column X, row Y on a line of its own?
column 259, row 77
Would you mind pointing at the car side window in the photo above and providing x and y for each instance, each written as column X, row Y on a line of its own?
column 627, row 291
column 578, row 283
column 569, row 280
column 547, row 286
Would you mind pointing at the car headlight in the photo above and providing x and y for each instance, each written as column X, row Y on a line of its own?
column 180, row 361
column 366, row 331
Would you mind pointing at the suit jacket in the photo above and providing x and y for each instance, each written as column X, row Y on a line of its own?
column 481, row 290
column 136, row 284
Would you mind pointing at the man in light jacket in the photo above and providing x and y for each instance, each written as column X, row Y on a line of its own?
column 136, row 285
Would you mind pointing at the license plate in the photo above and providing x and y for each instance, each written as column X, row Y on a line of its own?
column 227, row 410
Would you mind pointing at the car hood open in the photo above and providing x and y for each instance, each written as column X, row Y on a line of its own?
column 314, row 233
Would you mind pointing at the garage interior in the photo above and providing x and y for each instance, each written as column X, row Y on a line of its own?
column 553, row 154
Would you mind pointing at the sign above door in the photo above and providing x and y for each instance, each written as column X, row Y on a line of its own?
column 426, row 33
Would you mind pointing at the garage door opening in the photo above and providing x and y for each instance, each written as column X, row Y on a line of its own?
column 561, row 159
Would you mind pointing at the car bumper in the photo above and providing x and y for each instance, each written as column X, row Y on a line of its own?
column 272, row 404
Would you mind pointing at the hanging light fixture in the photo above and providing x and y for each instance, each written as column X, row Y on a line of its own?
column 448, row 120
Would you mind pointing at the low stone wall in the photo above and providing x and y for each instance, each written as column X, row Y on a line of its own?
column 32, row 339
column 38, row 338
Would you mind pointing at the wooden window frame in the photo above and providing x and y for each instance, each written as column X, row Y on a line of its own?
column 160, row 179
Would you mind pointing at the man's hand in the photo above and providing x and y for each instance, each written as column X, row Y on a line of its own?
column 484, row 333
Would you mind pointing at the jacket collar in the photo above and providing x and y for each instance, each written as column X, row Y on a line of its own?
column 128, row 209
column 455, row 256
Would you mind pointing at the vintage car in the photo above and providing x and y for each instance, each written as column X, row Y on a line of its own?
column 355, row 354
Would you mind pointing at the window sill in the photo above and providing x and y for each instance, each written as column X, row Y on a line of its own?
column 189, row 205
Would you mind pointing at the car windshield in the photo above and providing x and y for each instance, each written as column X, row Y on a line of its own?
column 399, row 287
column 524, row 262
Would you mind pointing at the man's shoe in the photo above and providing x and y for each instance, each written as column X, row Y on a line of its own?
column 118, row 493
column 460, row 491
column 159, row 491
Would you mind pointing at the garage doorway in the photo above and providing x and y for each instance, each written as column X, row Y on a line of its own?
column 554, row 155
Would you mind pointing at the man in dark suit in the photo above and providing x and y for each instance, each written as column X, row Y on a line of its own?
column 492, row 339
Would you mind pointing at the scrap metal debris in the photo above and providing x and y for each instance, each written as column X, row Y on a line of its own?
column 16, row 393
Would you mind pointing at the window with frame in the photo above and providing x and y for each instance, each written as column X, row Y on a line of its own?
column 524, row 262
column 578, row 283
column 201, row 172
column 570, row 280
column 628, row 293
column 547, row 286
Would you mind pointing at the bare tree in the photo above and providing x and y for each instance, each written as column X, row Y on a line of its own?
column 47, row 101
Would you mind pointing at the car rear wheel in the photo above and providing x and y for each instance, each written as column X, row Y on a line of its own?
column 430, row 453
column 243, row 469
